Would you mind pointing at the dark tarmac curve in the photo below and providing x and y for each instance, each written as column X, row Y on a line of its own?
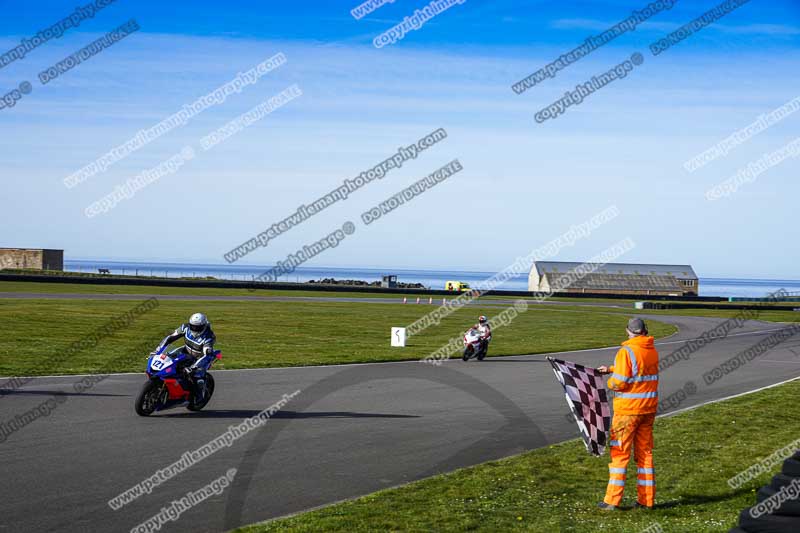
column 353, row 429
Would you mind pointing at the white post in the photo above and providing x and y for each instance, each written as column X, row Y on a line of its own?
column 398, row 337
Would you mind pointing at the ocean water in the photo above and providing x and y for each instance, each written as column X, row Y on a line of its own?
column 435, row 279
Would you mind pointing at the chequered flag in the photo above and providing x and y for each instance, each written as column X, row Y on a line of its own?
column 586, row 397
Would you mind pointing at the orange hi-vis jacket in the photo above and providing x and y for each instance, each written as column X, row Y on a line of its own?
column 634, row 377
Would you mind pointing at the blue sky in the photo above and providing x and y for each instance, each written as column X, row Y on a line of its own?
column 523, row 183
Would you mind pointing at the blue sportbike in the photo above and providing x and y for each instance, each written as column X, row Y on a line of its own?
column 169, row 383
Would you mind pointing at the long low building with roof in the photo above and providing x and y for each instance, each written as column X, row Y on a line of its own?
column 613, row 278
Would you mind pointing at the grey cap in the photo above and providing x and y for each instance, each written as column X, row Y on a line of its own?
column 637, row 325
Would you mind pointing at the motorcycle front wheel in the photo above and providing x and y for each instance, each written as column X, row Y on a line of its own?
column 148, row 398
column 467, row 353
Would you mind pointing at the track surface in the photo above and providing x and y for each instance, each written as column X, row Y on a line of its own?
column 352, row 430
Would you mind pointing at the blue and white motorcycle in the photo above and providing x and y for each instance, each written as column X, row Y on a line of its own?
column 169, row 384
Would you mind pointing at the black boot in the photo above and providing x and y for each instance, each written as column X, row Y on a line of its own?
column 199, row 389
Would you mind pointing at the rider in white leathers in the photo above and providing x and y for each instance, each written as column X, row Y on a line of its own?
column 485, row 330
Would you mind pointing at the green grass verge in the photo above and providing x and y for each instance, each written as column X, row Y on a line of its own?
column 88, row 288
column 621, row 305
column 269, row 334
column 557, row 488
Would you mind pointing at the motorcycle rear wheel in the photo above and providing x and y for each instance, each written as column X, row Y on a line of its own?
column 209, row 392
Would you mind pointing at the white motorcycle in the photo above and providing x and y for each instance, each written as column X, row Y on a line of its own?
column 473, row 345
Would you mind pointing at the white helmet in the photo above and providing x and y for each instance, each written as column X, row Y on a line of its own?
column 198, row 323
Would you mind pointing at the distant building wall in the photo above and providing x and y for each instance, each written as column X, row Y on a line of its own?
column 31, row 258
column 534, row 280
column 614, row 278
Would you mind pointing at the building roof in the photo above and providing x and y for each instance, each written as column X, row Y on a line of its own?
column 561, row 281
column 679, row 271
column 5, row 249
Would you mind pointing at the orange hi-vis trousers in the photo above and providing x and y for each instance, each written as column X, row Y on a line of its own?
column 627, row 431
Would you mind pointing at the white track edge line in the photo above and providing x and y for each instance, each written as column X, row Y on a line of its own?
column 455, row 360
column 665, row 415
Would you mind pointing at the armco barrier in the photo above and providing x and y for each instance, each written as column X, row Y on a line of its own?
column 226, row 284
column 732, row 307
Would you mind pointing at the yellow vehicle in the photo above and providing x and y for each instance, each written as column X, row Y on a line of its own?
column 457, row 286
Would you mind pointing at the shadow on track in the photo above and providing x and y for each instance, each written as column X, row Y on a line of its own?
column 247, row 413
column 490, row 360
column 517, row 434
column 55, row 393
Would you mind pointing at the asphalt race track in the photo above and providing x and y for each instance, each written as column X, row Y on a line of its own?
column 352, row 430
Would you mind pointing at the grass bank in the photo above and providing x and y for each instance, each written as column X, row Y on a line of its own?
column 255, row 334
column 88, row 288
column 557, row 488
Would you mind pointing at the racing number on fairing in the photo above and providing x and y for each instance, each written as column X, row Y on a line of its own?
column 157, row 364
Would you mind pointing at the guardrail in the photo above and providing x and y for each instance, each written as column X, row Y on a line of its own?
column 96, row 279
column 712, row 305
column 780, row 299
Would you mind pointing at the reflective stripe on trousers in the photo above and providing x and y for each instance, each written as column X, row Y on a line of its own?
column 631, row 433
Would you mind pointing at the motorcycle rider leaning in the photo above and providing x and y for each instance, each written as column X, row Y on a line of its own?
column 485, row 330
column 198, row 341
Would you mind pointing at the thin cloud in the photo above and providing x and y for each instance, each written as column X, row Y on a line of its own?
column 603, row 25
column 760, row 29
column 742, row 29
